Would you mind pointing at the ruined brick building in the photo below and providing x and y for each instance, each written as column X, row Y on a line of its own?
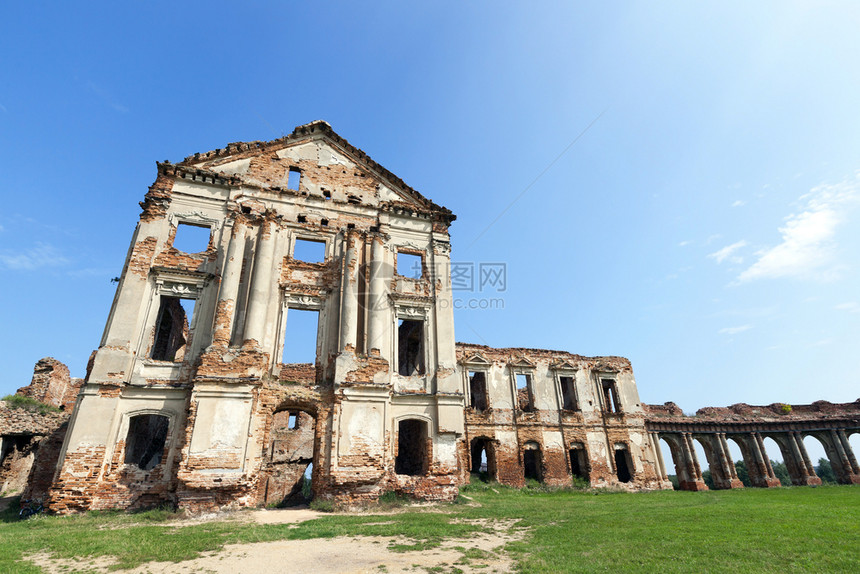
column 189, row 398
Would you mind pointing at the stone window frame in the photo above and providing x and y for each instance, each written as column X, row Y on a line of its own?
column 411, row 310
column 165, row 463
column 299, row 302
column 304, row 235
column 566, row 370
column 172, row 283
column 411, row 249
column 478, row 364
column 523, row 367
column 601, row 376
column 197, row 218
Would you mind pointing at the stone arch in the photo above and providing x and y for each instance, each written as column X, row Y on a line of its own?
column 843, row 462
column 721, row 468
column 687, row 467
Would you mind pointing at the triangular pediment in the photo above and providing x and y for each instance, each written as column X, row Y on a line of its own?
column 521, row 362
column 476, row 360
column 564, row 365
column 330, row 168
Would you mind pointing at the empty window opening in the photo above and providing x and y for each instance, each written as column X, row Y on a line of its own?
column 324, row 222
column 578, row 461
column 287, row 469
column 302, row 219
column 410, row 347
column 309, row 251
column 173, row 329
column 191, row 238
column 622, row 464
column 478, row 390
column 354, row 199
column 610, row 397
column 326, row 194
column 532, row 462
column 294, row 178
column 483, row 459
column 411, row 448
column 350, row 225
column 14, row 443
column 300, row 336
column 524, row 392
column 246, row 209
column 568, row 393
column 409, row 265
column 144, row 444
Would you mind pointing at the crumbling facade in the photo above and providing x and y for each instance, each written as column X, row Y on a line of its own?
column 31, row 437
column 198, row 394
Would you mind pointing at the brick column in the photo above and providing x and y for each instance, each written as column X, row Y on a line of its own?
column 228, row 293
column 379, row 311
column 349, row 293
column 261, row 283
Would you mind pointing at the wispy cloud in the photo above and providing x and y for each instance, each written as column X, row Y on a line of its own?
column 808, row 243
column 727, row 252
column 734, row 330
column 684, row 243
column 42, row 255
column 106, row 97
column 739, row 203
column 850, row 307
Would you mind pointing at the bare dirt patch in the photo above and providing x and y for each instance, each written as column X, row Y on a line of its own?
column 479, row 553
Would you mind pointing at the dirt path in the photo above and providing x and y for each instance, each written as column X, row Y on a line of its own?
column 363, row 554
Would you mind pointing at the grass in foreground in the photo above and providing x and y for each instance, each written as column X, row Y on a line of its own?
column 780, row 530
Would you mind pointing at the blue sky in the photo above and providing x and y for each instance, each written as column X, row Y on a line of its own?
column 704, row 225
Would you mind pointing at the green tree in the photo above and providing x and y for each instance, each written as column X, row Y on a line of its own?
column 825, row 472
column 743, row 473
column 709, row 480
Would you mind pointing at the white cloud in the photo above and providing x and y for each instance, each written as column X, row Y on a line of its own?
column 851, row 307
column 739, row 203
column 684, row 243
column 42, row 255
column 734, row 330
column 808, row 244
column 727, row 252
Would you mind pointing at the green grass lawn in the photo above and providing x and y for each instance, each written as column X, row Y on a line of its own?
column 753, row 530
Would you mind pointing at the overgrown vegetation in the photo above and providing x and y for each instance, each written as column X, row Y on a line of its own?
column 798, row 529
column 29, row 404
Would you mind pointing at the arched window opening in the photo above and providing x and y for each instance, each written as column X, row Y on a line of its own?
column 623, row 463
column 669, row 457
column 412, row 449
column 532, row 462
column 144, row 444
column 483, row 458
column 173, row 329
column 579, row 461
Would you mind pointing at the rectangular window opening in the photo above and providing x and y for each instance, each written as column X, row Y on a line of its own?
column 622, row 464
column 192, row 238
column 309, row 251
column 409, row 265
column 173, row 329
column 300, row 337
column 478, row 390
column 293, row 421
column 326, row 194
column 410, row 347
column 610, row 396
column 294, row 178
column 412, row 452
column 568, row 393
column 532, row 463
column 144, row 444
column 524, row 392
